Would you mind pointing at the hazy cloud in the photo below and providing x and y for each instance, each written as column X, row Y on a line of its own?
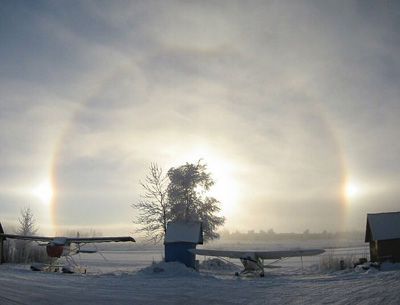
column 284, row 101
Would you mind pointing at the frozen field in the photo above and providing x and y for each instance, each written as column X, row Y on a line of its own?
column 128, row 277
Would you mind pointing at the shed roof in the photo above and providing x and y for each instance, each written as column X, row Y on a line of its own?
column 179, row 231
column 383, row 226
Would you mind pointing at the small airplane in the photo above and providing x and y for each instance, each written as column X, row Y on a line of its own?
column 253, row 261
column 62, row 246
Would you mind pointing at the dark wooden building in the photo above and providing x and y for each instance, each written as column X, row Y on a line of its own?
column 2, row 239
column 383, row 236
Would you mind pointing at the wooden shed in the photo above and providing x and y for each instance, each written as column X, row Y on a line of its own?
column 383, row 236
column 179, row 238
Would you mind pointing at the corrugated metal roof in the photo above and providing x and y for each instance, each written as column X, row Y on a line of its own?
column 178, row 231
column 384, row 226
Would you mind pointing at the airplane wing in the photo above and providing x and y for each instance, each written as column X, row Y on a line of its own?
column 220, row 253
column 27, row 237
column 63, row 240
column 83, row 240
column 260, row 254
column 288, row 253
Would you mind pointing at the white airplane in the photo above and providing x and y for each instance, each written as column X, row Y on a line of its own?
column 62, row 246
column 253, row 261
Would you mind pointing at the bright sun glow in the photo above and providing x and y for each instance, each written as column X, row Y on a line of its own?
column 226, row 188
column 351, row 190
column 44, row 192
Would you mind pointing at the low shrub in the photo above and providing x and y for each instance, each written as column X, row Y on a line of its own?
column 332, row 262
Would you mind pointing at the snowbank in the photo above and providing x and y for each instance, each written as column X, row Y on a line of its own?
column 373, row 267
column 138, row 281
column 218, row 264
column 173, row 269
column 389, row 266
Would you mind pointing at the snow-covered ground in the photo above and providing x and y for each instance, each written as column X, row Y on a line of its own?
column 134, row 277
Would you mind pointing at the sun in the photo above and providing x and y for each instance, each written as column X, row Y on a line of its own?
column 44, row 192
column 351, row 190
column 226, row 187
column 225, row 191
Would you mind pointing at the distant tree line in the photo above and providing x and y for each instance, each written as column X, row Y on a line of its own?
column 270, row 235
column 77, row 233
column 180, row 194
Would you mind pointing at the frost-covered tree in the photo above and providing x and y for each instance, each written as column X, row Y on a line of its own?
column 179, row 195
column 27, row 223
column 21, row 251
column 27, row 226
column 187, row 190
column 153, row 206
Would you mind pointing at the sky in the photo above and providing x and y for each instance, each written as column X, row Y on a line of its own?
column 293, row 105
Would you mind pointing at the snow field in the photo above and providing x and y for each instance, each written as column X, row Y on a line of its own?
column 133, row 277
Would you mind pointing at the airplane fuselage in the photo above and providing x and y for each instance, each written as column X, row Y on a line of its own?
column 251, row 262
column 58, row 250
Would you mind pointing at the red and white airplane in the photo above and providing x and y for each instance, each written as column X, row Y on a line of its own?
column 57, row 247
column 253, row 261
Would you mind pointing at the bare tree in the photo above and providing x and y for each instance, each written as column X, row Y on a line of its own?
column 153, row 207
column 179, row 195
column 27, row 226
column 27, row 223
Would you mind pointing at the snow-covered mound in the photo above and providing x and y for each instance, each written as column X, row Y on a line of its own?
column 167, row 269
column 373, row 267
column 366, row 267
column 218, row 264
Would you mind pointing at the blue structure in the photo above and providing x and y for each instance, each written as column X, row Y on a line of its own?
column 179, row 238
